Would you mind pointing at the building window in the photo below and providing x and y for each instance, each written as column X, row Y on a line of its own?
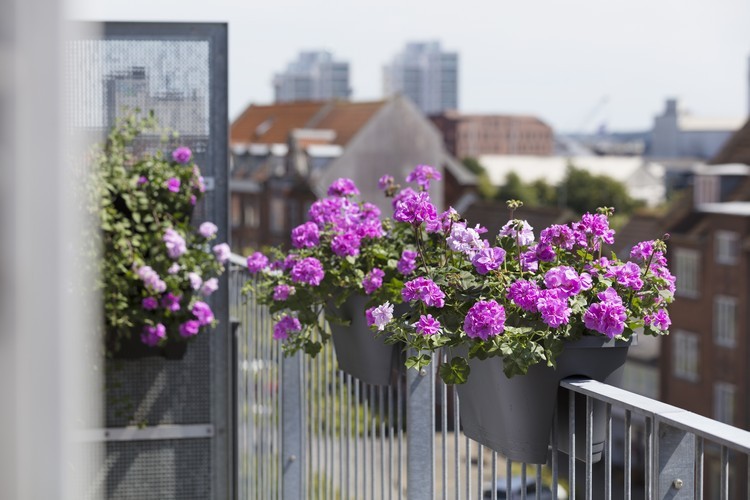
column 276, row 222
column 294, row 215
column 236, row 214
column 724, row 402
column 251, row 216
column 725, row 325
column 685, row 355
column 687, row 266
column 727, row 247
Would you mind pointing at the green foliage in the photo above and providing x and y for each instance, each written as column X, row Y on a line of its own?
column 461, row 292
column 455, row 372
column 486, row 189
column 584, row 192
column 515, row 189
column 131, row 199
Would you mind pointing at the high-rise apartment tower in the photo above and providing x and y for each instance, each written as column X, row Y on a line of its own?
column 426, row 75
column 314, row 76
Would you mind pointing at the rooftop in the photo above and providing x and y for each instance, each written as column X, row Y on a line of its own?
column 271, row 124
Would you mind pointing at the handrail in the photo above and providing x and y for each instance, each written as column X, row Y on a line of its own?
column 718, row 432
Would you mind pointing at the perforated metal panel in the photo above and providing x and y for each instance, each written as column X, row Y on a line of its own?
column 153, row 470
column 179, row 71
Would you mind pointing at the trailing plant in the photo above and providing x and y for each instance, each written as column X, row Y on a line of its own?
column 157, row 269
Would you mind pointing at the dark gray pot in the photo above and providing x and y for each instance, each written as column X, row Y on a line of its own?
column 360, row 351
column 514, row 416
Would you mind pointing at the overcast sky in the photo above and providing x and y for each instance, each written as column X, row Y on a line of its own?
column 574, row 63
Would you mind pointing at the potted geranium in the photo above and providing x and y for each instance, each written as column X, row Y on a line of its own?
column 519, row 314
column 344, row 273
column 158, row 268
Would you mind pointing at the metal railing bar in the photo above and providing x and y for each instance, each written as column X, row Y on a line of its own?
column 554, row 464
column 391, row 428
column 468, row 468
column 538, row 482
column 320, row 437
column 628, row 449
column 349, row 433
column 572, row 443
column 356, row 437
column 523, row 481
column 381, row 415
column 261, row 421
column 589, row 445
column 456, row 432
column 372, row 442
column 365, row 439
column 650, row 459
column 608, row 453
column 508, row 473
column 342, row 436
column 718, row 432
column 329, row 401
column 698, row 468
column 444, row 427
column 494, row 475
column 480, row 470
column 400, row 423
column 724, row 474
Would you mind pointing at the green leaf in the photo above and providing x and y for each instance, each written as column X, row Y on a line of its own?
column 418, row 362
column 455, row 372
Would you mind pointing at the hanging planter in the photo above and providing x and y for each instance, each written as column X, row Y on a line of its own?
column 359, row 351
column 158, row 268
column 514, row 416
column 131, row 347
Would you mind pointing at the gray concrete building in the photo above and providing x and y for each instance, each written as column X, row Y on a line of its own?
column 313, row 76
column 679, row 134
column 426, row 74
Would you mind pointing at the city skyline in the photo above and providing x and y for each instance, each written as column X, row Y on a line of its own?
column 575, row 65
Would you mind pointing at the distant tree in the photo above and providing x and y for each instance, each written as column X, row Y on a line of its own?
column 583, row 192
column 486, row 189
column 546, row 194
column 473, row 165
column 515, row 189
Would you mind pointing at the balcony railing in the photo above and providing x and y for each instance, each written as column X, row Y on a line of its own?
column 309, row 430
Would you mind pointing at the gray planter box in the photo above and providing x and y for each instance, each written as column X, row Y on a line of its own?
column 360, row 351
column 514, row 416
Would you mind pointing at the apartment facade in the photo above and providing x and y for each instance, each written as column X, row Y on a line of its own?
column 426, row 74
column 478, row 135
column 313, row 76
column 704, row 365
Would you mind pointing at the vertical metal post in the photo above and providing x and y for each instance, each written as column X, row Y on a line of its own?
column 675, row 454
column 420, row 407
column 293, row 427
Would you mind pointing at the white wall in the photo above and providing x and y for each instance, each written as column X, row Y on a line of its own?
column 43, row 373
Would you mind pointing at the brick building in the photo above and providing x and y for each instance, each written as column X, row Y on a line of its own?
column 704, row 362
column 477, row 135
column 284, row 156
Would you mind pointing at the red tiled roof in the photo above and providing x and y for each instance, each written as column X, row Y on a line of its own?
column 272, row 123
column 347, row 118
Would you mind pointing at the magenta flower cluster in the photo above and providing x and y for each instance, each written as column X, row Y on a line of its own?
column 415, row 209
column 607, row 316
column 423, row 175
column 285, row 326
column 485, row 319
column 308, row 271
column 373, row 280
column 425, row 290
